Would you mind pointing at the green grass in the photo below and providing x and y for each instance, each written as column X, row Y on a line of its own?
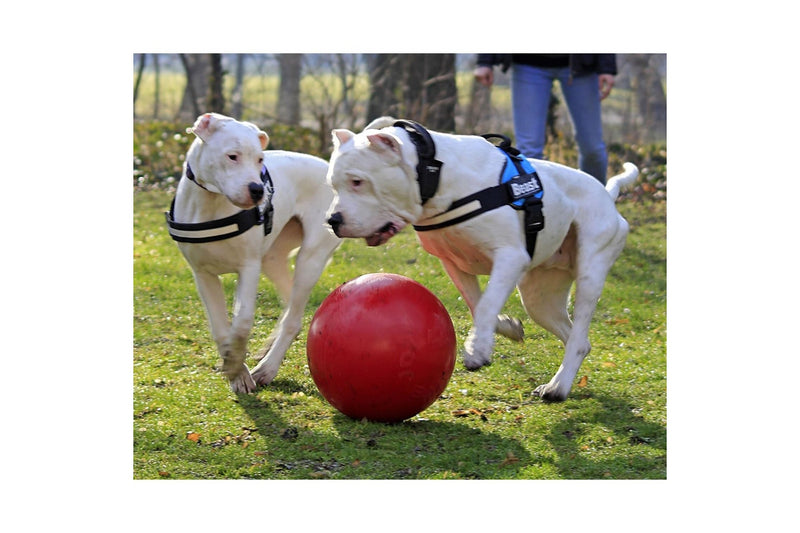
column 187, row 424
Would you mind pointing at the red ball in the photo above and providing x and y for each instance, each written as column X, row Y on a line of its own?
column 381, row 347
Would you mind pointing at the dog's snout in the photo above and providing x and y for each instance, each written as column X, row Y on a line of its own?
column 335, row 221
column 256, row 191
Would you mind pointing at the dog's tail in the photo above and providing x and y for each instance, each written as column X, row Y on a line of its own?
column 620, row 181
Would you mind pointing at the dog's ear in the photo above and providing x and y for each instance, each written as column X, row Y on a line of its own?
column 264, row 138
column 383, row 142
column 340, row 137
column 205, row 125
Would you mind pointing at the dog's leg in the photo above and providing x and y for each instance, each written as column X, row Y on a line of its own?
column 506, row 271
column 275, row 266
column 234, row 352
column 310, row 262
column 468, row 286
column 545, row 295
column 593, row 265
column 213, row 296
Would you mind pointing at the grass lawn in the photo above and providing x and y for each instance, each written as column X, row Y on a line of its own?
column 187, row 424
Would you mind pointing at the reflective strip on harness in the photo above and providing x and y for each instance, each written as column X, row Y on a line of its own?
column 225, row 228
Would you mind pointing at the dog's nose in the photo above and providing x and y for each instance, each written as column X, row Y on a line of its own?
column 256, row 191
column 335, row 221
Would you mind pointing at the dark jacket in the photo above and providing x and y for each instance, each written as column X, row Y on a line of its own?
column 579, row 64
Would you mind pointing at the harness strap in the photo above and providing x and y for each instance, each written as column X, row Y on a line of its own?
column 224, row 228
column 428, row 168
column 522, row 191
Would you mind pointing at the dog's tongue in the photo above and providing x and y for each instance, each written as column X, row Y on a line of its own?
column 382, row 235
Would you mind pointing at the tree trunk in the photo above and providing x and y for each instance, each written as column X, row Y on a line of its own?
column 385, row 71
column 439, row 92
column 198, row 73
column 236, row 97
column 291, row 66
column 215, row 101
column 420, row 87
column 480, row 109
column 157, row 95
column 139, row 72
column 651, row 100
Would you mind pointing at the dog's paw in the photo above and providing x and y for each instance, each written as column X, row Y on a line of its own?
column 263, row 375
column 473, row 362
column 510, row 327
column 477, row 350
column 243, row 383
column 550, row 393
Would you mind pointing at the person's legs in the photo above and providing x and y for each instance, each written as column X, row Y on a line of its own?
column 530, row 96
column 583, row 101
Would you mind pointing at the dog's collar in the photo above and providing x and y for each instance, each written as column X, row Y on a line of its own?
column 519, row 187
column 224, row 228
column 428, row 168
column 191, row 177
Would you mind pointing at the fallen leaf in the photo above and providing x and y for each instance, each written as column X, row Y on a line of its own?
column 583, row 381
column 510, row 459
column 193, row 436
column 470, row 411
column 609, row 364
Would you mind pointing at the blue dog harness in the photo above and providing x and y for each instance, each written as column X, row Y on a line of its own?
column 519, row 186
column 224, row 228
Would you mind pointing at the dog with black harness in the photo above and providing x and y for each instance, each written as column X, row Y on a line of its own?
column 241, row 208
column 484, row 209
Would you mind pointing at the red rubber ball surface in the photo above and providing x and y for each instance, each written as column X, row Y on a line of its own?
column 381, row 347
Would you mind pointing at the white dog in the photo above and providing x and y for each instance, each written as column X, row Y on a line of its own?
column 382, row 178
column 241, row 209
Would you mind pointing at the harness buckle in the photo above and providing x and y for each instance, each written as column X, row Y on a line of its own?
column 534, row 218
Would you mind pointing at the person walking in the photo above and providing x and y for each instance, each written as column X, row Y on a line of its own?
column 585, row 80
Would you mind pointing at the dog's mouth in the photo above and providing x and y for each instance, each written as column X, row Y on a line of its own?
column 385, row 233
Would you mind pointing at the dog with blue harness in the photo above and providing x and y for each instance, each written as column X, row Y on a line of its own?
column 481, row 209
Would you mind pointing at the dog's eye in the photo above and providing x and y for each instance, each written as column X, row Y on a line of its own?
column 355, row 182
column 233, row 157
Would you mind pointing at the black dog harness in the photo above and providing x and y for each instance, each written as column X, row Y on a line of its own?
column 428, row 168
column 519, row 187
column 224, row 228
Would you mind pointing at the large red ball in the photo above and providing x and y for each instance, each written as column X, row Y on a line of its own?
column 381, row 347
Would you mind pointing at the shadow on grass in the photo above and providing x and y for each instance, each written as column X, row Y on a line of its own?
column 332, row 445
column 610, row 441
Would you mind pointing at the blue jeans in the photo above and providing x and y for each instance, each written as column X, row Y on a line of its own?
column 530, row 97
